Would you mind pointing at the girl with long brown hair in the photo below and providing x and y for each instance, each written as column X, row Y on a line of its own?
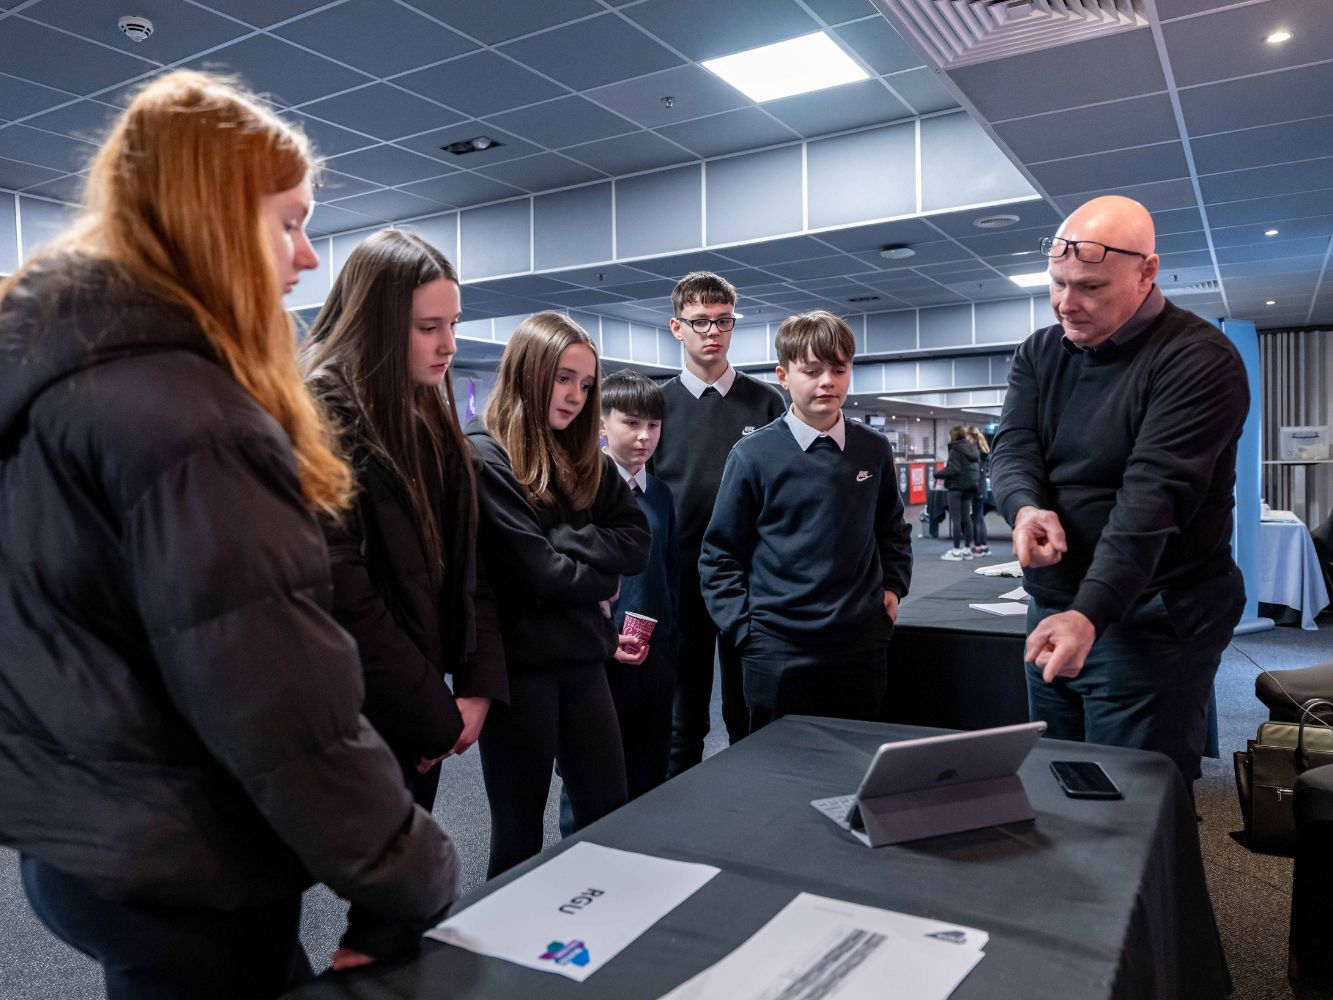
column 558, row 529
column 180, row 714
column 404, row 557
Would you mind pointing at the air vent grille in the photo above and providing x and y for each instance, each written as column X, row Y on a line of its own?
column 963, row 32
column 1194, row 288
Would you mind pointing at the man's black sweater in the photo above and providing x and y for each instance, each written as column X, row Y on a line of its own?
column 1133, row 446
column 805, row 543
column 697, row 435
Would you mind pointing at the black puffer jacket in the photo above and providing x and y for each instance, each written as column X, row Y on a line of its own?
column 962, row 471
column 410, row 629
column 179, row 714
column 549, row 568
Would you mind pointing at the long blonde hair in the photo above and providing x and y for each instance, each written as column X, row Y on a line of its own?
column 174, row 198
column 517, row 414
column 978, row 438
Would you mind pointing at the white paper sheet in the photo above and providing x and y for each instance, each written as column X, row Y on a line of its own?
column 830, row 949
column 1000, row 569
column 1017, row 594
column 576, row 912
column 1280, row 517
column 1004, row 609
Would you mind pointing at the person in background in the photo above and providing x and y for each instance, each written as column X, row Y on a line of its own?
column 709, row 406
column 961, row 476
column 404, row 556
column 807, row 554
column 559, row 528
column 1115, row 462
column 181, row 746
column 980, row 541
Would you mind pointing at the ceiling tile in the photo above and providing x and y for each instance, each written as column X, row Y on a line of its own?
column 1264, row 145
column 378, row 36
column 331, row 219
column 21, row 98
column 1271, row 210
column 879, row 45
column 677, row 265
column 387, row 165
column 262, row 13
column 838, row 11
column 1031, row 214
column 1290, row 229
column 1271, row 252
column 562, row 122
column 1079, row 131
column 329, row 140
column 1182, row 220
column 580, row 297
column 387, row 205
column 922, row 90
column 1288, row 95
column 542, row 172
column 333, row 185
column 729, row 132
column 1193, row 44
column 480, row 84
column 272, row 67
column 179, row 29
column 383, row 111
column 1128, row 166
column 852, row 105
column 46, row 149
column 506, row 147
column 779, row 251
column 704, row 29
column 866, row 238
column 496, row 22
column 694, row 92
column 88, row 120
column 1286, row 178
column 1181, row 242
column 593, row 52
column 26, row 47
column 462, row 190
column 800, row 270
column 68, row 188
column 609, row 275
column 627, row 154
column 1119, row 65
column 1157, row 196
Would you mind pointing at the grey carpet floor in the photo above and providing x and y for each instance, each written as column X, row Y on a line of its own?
column 1251, row 893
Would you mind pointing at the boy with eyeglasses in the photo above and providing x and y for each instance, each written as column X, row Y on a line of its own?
column 709, row 406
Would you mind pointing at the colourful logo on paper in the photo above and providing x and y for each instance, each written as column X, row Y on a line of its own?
column 573, row 953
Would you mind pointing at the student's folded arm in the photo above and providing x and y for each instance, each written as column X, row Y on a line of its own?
column 1196, row 410
column 893, row 534
column 728, row 546
column 617, row 540
column 260, row 671
column 521, row 556
column 1017, row 463
column 407, row 699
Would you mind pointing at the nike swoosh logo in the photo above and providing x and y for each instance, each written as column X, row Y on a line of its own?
column 862, row 476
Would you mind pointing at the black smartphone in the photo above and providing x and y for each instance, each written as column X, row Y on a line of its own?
column 1084, row 779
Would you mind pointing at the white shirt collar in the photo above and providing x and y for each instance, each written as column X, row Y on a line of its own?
column 639, row 479
column 806, row 435
column 696, row 385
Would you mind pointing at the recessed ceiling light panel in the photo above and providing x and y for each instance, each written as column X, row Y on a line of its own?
column 1035, row 279
column 1278, row 37
column 784, row 69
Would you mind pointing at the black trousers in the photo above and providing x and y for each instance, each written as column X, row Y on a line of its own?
column 560, row 714
column 841, row 677
column 169, row 952
column 694, row 680
column 961, row 506
column 382, row 937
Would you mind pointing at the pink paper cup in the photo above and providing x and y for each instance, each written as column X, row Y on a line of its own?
column 639, row 626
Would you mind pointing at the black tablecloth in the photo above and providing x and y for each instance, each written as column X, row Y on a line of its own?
column 951, row 665
column 1093, row 899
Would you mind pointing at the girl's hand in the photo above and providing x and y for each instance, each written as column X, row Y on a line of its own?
column 631, row 650
column 347, row 958
column 473, row 711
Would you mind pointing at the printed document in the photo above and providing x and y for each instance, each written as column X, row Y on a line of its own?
column 818, row 948
column 573, row 914
column 1003, row 609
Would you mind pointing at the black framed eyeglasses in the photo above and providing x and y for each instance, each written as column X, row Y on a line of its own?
column 724, row 324
column 1084, row 250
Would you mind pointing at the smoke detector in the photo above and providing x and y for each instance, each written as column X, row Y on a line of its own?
column 897, row 251
column 136, row 28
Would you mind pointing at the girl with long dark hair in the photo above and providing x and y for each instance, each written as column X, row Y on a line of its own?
column 404, row 557
column 558, row 529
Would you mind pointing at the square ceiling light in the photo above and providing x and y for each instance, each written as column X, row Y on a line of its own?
column 784, row 69
column 1034, row 279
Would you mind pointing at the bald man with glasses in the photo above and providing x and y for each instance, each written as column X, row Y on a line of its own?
column 1115, row 462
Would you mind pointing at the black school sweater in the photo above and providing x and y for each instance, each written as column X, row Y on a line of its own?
column 1133, row 445
column 697, row 434
column 805, row 543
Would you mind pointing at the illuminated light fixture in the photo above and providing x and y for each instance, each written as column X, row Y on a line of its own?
column 785, row 69
column 1035, row 279
column 1271, row 302
column 1270, row 232
column 1278, row 37
column 473, row 145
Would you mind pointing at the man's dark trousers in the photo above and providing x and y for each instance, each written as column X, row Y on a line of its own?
column 694, row 678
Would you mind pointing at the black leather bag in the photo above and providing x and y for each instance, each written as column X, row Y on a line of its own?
column 1266, row 773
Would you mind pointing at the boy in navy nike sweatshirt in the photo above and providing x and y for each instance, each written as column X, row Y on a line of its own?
column 807, row 553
